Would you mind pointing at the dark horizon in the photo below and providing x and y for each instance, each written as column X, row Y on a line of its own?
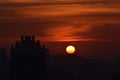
column 101, row 50
column 30, row 59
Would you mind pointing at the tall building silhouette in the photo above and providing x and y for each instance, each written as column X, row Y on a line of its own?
column 4, row 66
column 28, row 59
column 2, row 54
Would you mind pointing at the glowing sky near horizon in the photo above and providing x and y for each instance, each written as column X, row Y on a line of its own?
column 60, row 20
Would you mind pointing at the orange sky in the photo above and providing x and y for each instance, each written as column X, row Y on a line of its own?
column 60, row 20
column 64, row 20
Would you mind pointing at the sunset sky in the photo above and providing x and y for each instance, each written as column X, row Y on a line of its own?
column 60, row 20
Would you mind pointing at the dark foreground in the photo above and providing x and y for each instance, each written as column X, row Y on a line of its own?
column 68, row 67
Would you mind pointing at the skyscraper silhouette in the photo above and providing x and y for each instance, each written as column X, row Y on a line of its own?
column 28, row 59
column 4, row 66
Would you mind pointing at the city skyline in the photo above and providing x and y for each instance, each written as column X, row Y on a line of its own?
column 31, row 60
column 59, row 39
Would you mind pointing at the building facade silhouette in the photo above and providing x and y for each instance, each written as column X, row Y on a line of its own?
column 4, row 66
column 28, row 59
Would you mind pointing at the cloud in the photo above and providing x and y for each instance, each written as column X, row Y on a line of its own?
column 17, row 27
column 27, row 10
column 45, row 8
column 69, row 27
column 20, row 3
column 65, row 32
column 68, row 1
column 102, row 32
column 65, row 20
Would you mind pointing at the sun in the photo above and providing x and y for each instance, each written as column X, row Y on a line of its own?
column 70, row 49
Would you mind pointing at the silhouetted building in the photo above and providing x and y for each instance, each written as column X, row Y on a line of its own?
column 2, row 53
column 28, row 59
column 4, row 66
